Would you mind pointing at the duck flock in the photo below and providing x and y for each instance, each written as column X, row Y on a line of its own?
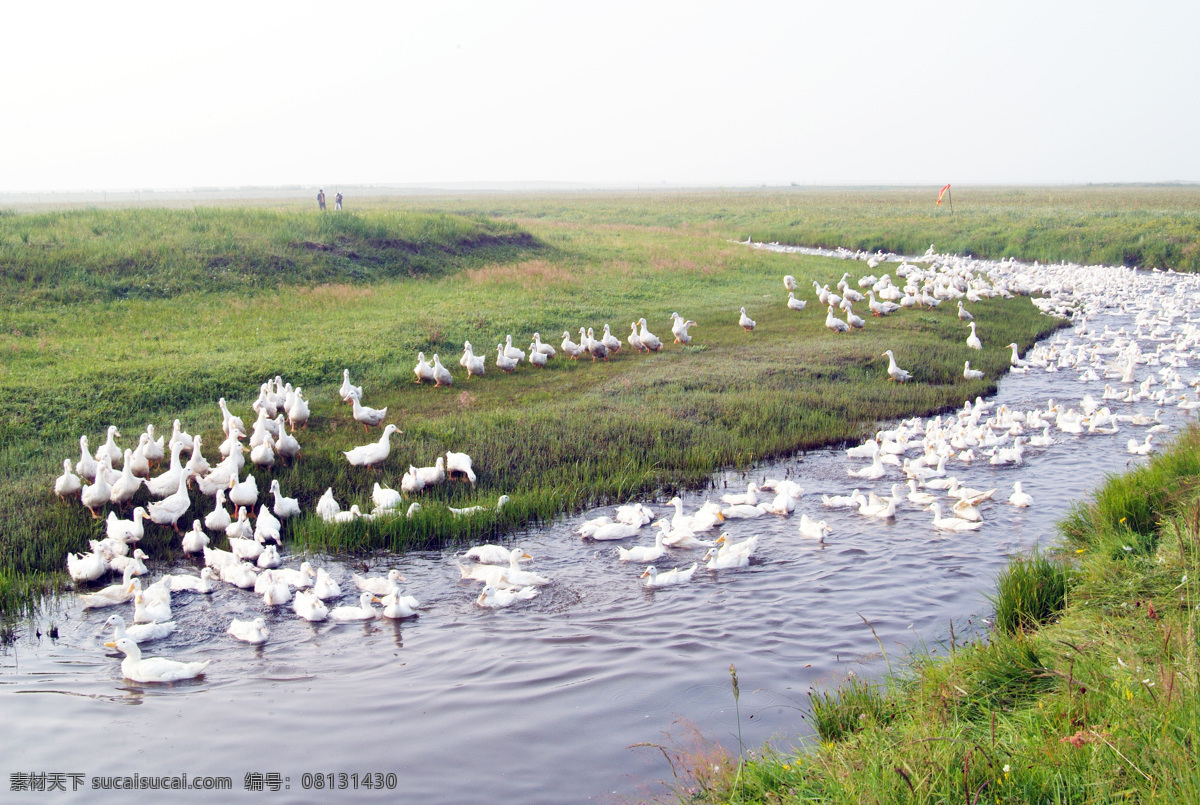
column 910, row 474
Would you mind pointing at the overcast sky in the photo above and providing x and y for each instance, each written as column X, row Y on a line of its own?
column 189, row 94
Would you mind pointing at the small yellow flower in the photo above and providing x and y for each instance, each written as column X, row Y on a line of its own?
column 1081, row 550
column 1122, row 519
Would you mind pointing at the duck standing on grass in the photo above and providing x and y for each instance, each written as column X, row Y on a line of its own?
column 894, row 371
column 372, row 454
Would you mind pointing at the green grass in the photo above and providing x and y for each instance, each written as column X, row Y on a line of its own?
column 93, row 255
column 1098, row 706
column 555, row 440
column 1146, row 226
column 1030, row 592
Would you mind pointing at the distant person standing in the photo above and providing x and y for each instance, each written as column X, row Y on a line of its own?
column 337, row 201
column 321, row 199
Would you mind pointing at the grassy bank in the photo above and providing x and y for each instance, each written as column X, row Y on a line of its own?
column 1145, row 226
column 1085, row 692
column 555, row 440
column 75, row 256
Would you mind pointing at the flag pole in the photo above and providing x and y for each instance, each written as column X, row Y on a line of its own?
column 950, row 196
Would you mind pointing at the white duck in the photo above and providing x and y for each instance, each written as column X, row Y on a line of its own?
column 96, row 494
column 971, row 374
column 168, row 510
column 814, row 528
column 474, row 364
column 203, row 584
column 363, row 612
column 611, row 531
column 263, row 454
column 874, row 472
column 680, row 536
column 367, row 417
column 385, row 498
column 441, row 375
column 371, row 454
column 643, row 553
column 239, row 574
column 301, row 579
column 86, row 466
column 851, row 501
column 162, row 485
column 512, row 352
column 423, row 370
column 254, row 632
column 324, row 587
column 109, row 448
column 460, row 463
column 716, row 560
column 396, row 605
column 671, row 577
column 218, row 519
column 283, row 507
column 634, row 339
column 746, row 546
column 123, row 490
column 494, row 554
column 155, row 610
column 596, row 347
column 649, row 340
column 67, row 484
column 113, row 594
column 138, row 632
column 378, row 585
column 503, row 362
column 298, row 414
column 309, row 607
column 834, row 323
column 795, row 304
column 269, row 559
column 327, row 507
column 197, row 464
column 1019, row 498
column 155, row 669
column 495, row 597
column 750, row 496
column 131, row 530
column 230, row 423
column 746, row 322
column 612, row 343
column 347, row 388
column 894, row 371
column 570, row 348
column 951, row 523
column 135, row 563
column 973, row 340
column 545, row 349
column 679, row 328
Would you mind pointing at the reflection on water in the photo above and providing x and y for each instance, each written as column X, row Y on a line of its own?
column 540, row 702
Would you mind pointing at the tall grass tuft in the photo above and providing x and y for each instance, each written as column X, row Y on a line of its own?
column 1029, row 592
column 855, row 705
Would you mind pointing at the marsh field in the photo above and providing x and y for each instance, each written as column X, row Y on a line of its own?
column 133, row 315
column 136, row 315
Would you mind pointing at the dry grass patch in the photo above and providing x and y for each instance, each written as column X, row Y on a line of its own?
column 336, row 293
column 529, row 274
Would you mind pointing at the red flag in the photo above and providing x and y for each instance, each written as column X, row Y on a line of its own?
column 944, row 189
